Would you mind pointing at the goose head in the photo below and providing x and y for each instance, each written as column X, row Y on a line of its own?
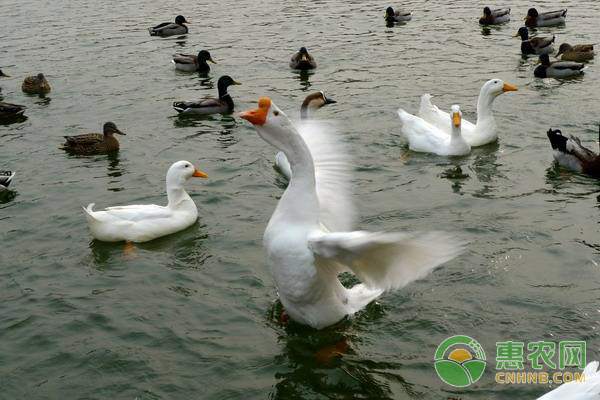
column 455, row 120
column 204, row 56
column 180, row 20
column 313, row 102
column 180, row 172
column 272, row 125
column 111, row 128
column 495, row 87
column 523, row 32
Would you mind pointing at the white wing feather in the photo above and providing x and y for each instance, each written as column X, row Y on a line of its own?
column 332, row 174
column 386, row 260
column 586, row 390
column 441, row 119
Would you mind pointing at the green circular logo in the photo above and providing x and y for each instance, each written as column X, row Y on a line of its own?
column 460, row 361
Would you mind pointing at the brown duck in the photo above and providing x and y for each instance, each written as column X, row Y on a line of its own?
column 94, row 143
column 578, row 53
column 36, row 85
column 569, row 153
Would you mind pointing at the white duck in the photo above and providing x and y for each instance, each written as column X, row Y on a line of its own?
column 141, row 223
column 588, row 389
column 484, row 131
column 307, row 239
column 427, row 138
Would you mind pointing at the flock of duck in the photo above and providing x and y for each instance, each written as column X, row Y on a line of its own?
column 310, row 238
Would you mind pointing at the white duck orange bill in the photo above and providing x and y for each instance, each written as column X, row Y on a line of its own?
column 199, row 174
column 509, row 88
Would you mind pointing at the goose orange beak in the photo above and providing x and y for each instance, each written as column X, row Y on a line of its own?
column 456, row 119
column 509, row 88
column 199, row 174
column 258, row 116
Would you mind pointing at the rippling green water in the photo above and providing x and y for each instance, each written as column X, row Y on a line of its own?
column 190, row 315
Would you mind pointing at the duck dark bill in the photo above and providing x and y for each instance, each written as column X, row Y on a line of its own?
column 258, row 116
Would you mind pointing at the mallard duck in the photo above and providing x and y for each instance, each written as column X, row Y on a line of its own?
column 557, row 69
column 302, row 60
column 6, row 178
column 209, row 105
column 309, row 239
column 192, row 63
column 587, row 388
column 578, row 53
column 481, row 133
column 3, row 75
column 536, row 45
column 424, row 137
column 397, row 16
column 495, row 17
column 170, row 28
column 141, row 223
column 94, row 143
column 550, row 18
column 8, row 110
column 311, row 103
column 36, row 85
column 569, row 153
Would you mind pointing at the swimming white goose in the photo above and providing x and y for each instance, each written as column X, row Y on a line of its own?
column 587, row 389
column 484, row 131
column 308, row 242
column 141, row 223
column 424, row 137
column 311, row 103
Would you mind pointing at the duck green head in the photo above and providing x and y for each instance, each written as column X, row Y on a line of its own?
column 532, row 12
column 180, row 20
column 389, row 12
column 523, row 32
column 487, row 12
column 303, row 51
column 545, row 59
column 111, row 128
column 204, row 56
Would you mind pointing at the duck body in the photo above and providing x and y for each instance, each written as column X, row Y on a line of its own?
column 479, row 134
column 6, row 178
column 311, row 103
column 141, row 223
column 192, row 63
column 8, row 110
column 577, row 53
column 557, row 69
column 569, row 153
column 587, row 389
column 550, row 18
column 224, row 104
column 94, row 143
column 426, row 138
column 495, row 17
column 36, row 85
column 536, row 45
column 170, row 28
column 392, row 15
column 302, row 60
column 307, row 239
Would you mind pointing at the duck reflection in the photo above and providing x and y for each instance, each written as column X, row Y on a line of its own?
column 485, row 166
column 456, row 176
column 304, row 76
column 324, row 362
column 226, row 137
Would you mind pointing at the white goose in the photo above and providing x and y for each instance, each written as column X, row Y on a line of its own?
column 427, row 138
column 308, row 241
column 589, row 389
column 484, row 131
column 141, row 223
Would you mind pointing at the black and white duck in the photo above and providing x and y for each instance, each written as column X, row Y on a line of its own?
column 170, row 28
column 495, row 17
column 192, row 63
column 569, row 153
column 536, row 45
column 557, row 69
column 210, row 105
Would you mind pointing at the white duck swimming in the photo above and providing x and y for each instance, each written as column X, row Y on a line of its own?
column 427, row 138
column 308, row 242
column 141, row 223
column 311, row 103
column 484, row 131
column 587, row 389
